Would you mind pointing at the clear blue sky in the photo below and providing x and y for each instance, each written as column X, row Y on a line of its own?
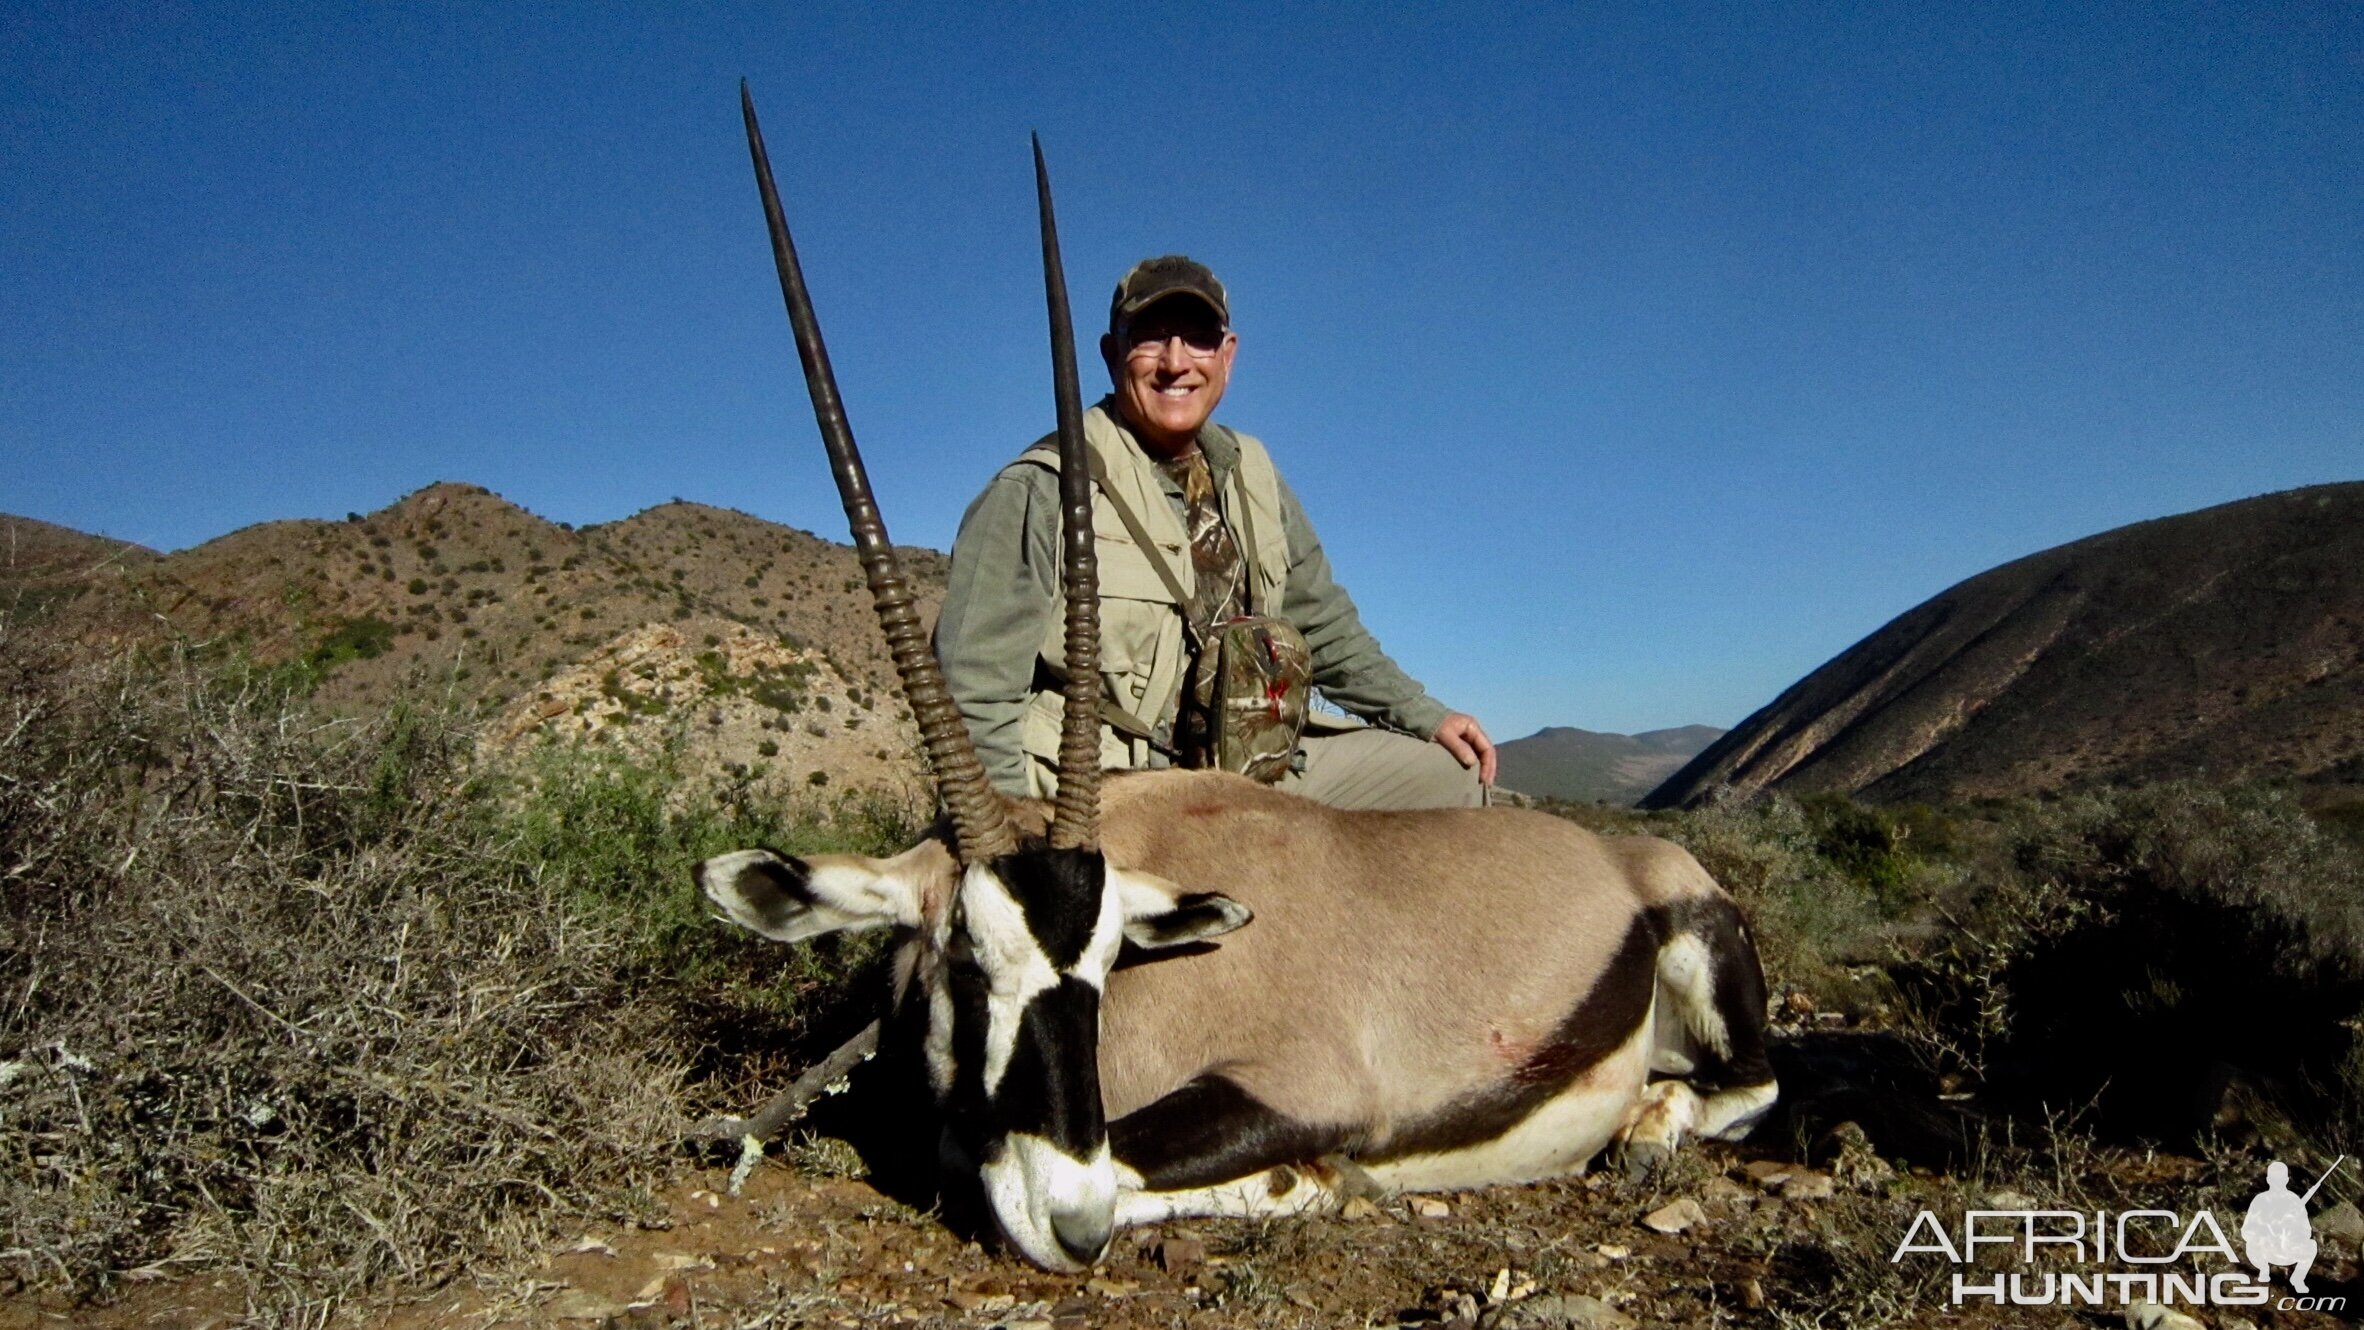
column 1633, row 360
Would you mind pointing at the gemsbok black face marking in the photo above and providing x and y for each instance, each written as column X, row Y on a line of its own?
column 1427, row 1000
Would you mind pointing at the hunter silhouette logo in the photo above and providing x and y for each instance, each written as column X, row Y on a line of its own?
column 2276, row 1230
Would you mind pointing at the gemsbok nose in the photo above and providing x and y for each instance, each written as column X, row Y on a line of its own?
column 1084, row 1233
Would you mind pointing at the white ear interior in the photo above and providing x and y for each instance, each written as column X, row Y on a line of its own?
column 790, row 899
column 1159, row 913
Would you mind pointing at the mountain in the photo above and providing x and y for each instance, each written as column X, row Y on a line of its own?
column 43, row 565
column 744, row 642
column 2222, row 644
column 1564, row 763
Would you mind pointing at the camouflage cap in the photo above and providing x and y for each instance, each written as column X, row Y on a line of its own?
column 1152, row 280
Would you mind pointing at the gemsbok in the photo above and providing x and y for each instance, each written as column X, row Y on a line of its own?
column 1424, row 1000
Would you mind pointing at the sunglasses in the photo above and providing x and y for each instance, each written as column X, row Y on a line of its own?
column 1201, row 337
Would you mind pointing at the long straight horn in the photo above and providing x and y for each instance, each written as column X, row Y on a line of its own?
column 1075, row 823
column 979, row 819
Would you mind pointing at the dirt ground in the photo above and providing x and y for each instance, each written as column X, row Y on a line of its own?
column 1796, row 1227
column 799, row 1249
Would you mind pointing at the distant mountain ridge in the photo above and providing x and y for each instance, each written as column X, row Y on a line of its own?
column 750, row 643
column 2224, row 644
column 1561, row 762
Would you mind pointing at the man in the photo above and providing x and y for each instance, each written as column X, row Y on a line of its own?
column 1225, row 536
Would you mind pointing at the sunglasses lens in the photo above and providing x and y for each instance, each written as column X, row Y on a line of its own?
column 1201, row 340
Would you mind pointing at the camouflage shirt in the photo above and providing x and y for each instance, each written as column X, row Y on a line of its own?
column 1218, row 595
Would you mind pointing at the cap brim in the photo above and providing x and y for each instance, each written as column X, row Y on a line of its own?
column 1126, row 312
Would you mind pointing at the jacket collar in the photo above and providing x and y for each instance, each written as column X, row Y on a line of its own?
column 1217, row 443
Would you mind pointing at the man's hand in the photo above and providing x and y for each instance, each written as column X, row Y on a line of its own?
column 1466, row 740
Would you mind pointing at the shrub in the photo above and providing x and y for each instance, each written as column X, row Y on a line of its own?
column 1812, row 920
column 320, row 1002
column 365, row 638
column 2162, row 953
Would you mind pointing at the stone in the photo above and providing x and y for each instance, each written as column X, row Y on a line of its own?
column 1358, row 1207
column 1675, row 1218
column 1563, row 1311
column 1429, row 1207
column 581, row 1304
column 1856, row 1161
column 675, row 1296
column 1807, row 1185
column 2342, row 1221
column 1111, row 1288
column 1768, row 1173
column 2152, row 1316
column 1181, row 1257
column 1724, row 1189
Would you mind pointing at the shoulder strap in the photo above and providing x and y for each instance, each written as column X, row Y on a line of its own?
column 1111, row 714
column 1247, row 527
column 1133, row 528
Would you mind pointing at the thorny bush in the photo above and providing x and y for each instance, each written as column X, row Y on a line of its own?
column 314, row 1002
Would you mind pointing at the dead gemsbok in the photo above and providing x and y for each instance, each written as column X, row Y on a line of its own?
column 1425, row 1000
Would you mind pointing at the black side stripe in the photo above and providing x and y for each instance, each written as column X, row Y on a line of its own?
column 1607, row 1016
column 1212, row 1131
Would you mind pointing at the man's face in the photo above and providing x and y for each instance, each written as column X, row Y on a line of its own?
column 1170, row 365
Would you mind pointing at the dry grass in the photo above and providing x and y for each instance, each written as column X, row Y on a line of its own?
column 293, row 998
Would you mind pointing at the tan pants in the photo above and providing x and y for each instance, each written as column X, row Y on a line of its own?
column 1373, row 768
column 1354, row 768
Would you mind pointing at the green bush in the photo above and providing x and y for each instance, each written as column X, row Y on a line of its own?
column 315, row 1003
column 365, row 638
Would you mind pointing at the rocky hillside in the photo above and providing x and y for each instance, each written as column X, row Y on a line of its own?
column 1560, row 762
column 43, row 565
column 721, row 630
column 2222, row 644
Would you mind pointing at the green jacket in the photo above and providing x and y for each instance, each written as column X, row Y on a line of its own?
column 1000, row 632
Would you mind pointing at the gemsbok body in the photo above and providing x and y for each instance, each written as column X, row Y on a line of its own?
column 1183, row 993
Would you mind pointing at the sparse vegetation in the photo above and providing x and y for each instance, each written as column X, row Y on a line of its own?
column 318, row 1003
column 365, row 638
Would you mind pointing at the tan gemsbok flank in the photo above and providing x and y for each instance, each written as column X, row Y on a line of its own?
column 1424, row 1000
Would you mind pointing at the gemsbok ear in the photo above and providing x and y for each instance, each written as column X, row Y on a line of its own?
column 1159, row 914
column 790, row 899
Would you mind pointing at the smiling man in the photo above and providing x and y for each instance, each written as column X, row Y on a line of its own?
column 1195, row 529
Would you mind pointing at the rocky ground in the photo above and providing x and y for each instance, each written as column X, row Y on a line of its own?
column 742, row 703
column 1726, row 1235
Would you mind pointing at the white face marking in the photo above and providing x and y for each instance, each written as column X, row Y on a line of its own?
column 939, row 1041
column 1031, row 1183
column 1108, row 936
column 1014, row 964
column 1016, row 968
